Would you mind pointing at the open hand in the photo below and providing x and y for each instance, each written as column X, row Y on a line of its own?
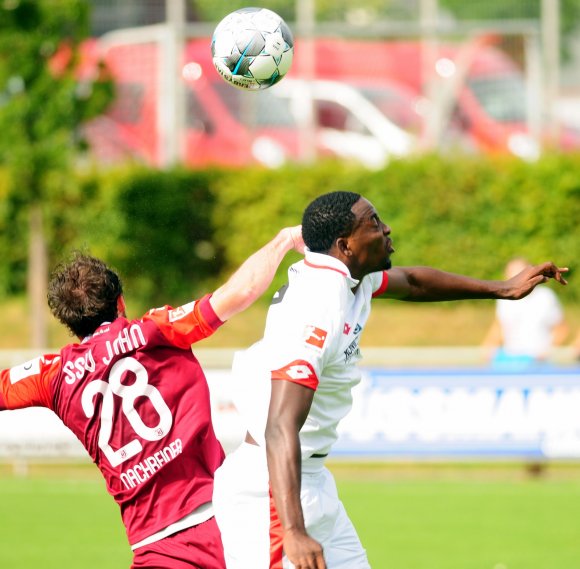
column 524, row 282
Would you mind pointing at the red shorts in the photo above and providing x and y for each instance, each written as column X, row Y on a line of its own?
column 199, row 547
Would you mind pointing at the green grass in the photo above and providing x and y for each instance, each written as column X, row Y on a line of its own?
column 56, row 524
column 408, row 516
column 465, row 516
column 467, row 525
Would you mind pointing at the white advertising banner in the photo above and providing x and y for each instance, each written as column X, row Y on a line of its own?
column 437, row 413
column 464, row 413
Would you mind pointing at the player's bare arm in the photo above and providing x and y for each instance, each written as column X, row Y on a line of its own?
column 254, row 276
column 425, row 284
column 289, row 407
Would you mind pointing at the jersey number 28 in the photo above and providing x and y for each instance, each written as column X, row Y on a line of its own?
column 128, row 394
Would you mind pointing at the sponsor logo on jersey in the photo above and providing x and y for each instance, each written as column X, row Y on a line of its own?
column 314, row 336
column 351, row 351
column 22, row 371
column 347, row 329
column 357, row 329
column 299, row 371
column 181, row 311
column 279, row 294
column 151, row 464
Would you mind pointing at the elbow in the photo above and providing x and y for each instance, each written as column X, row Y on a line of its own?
column 274, row 436
column 246, row 297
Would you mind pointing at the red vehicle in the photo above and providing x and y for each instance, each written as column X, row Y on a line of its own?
column 225, row 125
column 490, row 90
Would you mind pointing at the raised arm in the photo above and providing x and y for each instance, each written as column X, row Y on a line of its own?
column 425, row 284
column 254, row 276
column 289, row 406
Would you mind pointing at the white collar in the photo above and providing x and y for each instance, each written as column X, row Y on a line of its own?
column 323, row 261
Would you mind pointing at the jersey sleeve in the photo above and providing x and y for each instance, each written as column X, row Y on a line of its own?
column 301, row 343
column 187, row 324
column 28, row 385
column 380, row 282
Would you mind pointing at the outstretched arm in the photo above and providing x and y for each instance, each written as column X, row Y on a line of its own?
column 289, row 406
column 425, row 284
column 254, row 276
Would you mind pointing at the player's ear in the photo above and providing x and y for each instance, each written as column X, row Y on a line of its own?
column 121, row 306
column 342, row 246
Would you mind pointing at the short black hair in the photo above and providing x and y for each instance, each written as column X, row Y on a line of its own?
column 83, row 293
column 327, row 218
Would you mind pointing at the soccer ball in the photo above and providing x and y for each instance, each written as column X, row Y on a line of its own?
column 252, row 48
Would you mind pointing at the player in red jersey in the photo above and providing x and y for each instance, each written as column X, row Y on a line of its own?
column 136, row 397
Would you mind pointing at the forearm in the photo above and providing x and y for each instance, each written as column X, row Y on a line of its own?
column 427, row 285
column 254, row 276
column 284, row 466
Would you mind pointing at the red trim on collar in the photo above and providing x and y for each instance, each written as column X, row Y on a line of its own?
column 313, row 266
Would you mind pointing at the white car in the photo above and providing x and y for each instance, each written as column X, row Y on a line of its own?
column 346, row 123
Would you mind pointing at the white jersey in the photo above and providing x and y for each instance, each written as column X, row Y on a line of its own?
column 527, row 323
column 312, row 335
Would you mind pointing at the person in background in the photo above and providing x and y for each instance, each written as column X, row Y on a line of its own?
column 576, row 347
column 136, row 397
column 523, row 333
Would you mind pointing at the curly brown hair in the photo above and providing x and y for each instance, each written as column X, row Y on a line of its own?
column 83, row 293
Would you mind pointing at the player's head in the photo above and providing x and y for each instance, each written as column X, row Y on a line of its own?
column 327, row 218
column 83, row 293
column 347, row 226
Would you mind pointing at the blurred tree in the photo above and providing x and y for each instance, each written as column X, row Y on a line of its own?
column 43, row 100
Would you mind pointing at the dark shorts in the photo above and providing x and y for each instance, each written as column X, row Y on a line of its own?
column 198, row 547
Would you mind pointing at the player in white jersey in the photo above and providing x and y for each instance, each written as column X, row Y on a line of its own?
column 276, row 504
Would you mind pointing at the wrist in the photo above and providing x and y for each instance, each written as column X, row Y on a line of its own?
column 295, row 530
column 286, row 239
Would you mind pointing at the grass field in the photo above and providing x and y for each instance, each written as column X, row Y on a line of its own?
column 408, row 516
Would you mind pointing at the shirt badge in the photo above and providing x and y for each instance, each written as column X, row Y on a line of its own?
column 315, row 336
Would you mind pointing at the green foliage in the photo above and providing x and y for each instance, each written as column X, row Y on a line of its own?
column 468, row 215
column 173, row 235
column 43, row 99
column 215, row 10
column 166, row 250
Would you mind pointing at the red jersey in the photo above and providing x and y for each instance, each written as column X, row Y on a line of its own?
column 137, row 399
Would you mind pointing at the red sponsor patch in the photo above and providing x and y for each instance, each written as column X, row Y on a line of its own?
column 315, row 336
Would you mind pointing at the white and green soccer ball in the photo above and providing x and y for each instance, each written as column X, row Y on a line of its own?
column 252, row 48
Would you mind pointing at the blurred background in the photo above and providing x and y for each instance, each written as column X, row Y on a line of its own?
column 384, row 79
column 460, row 121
